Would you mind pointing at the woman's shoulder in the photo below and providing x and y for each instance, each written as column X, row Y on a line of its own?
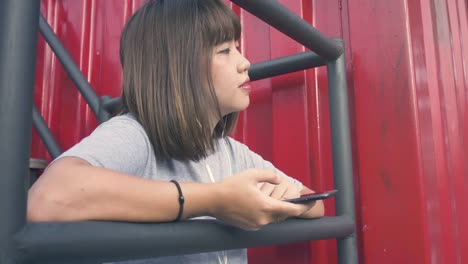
column 235, row 145
column 122, row 121
column 124, row 118
column 124, row 126
column 232, row 140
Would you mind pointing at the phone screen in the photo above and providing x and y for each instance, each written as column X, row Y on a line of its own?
column 306, row 198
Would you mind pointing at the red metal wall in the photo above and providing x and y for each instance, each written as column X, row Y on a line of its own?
column 408, row 87
column 409, row 69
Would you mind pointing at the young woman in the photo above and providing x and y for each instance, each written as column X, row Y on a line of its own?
column 184, row 82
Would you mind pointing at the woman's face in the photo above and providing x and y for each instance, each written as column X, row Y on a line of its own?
column 229, row 70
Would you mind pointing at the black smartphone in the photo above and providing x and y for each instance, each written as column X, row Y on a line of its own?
column 306, row 198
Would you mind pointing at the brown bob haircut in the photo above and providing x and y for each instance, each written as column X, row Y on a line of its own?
column 165, row 51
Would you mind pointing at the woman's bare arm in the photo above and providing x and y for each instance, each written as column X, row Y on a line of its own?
column 288, row 190
column 318, row 210
column 72, row 190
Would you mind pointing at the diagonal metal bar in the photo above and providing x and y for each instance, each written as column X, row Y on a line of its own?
column 46, row 135
column 286, row 21
column 70, row 67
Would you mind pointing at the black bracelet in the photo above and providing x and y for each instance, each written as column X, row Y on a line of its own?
column 181, row 201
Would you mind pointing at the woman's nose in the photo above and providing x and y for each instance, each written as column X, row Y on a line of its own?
column 244, row 65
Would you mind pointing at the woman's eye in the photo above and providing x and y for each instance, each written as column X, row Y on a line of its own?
column 225, row 51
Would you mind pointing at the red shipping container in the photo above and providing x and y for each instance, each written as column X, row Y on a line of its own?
column 408, row 86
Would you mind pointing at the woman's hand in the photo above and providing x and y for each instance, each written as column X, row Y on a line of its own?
column 282, row 191
column 243, row 204
column 287, row 190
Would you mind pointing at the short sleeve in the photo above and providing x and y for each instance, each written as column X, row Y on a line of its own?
column 119, row 144
column 249, row 160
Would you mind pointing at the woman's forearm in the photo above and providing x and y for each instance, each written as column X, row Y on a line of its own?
column 72, row 190
column 318, row 210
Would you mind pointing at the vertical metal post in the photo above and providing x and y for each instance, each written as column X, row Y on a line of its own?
column 18, row 44
column 342, row 159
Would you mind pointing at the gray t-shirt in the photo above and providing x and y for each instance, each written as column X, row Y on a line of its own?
column 121, row 144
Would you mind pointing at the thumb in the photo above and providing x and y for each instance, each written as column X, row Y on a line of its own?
column 267, row 176
column 290, row 209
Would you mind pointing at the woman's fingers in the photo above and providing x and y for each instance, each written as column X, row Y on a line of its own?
column 267, row 188
column 252, row 208
column 284, row 190
column 267, row 176
column 291, row 193
column 287, row 209
column 279, row 191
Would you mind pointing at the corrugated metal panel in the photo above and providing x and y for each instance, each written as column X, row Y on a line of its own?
column 409, row 87
column 90, row 30
column 407, row 72
column 386, row 139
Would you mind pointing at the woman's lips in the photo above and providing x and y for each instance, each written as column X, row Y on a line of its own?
column 246, row 87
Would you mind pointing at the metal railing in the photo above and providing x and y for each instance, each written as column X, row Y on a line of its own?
column 89, row 241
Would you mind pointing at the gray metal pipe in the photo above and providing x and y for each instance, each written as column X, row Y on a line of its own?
column 342, row 156
column 111, row 241
column 286, row 21
column 70, row 67
column 44, row 132
column 284, row 65
column 18, row 44
column 111, row 104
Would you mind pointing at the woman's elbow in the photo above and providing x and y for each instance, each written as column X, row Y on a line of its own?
column 53, row 195
column 43, row 207
column 48, row 203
